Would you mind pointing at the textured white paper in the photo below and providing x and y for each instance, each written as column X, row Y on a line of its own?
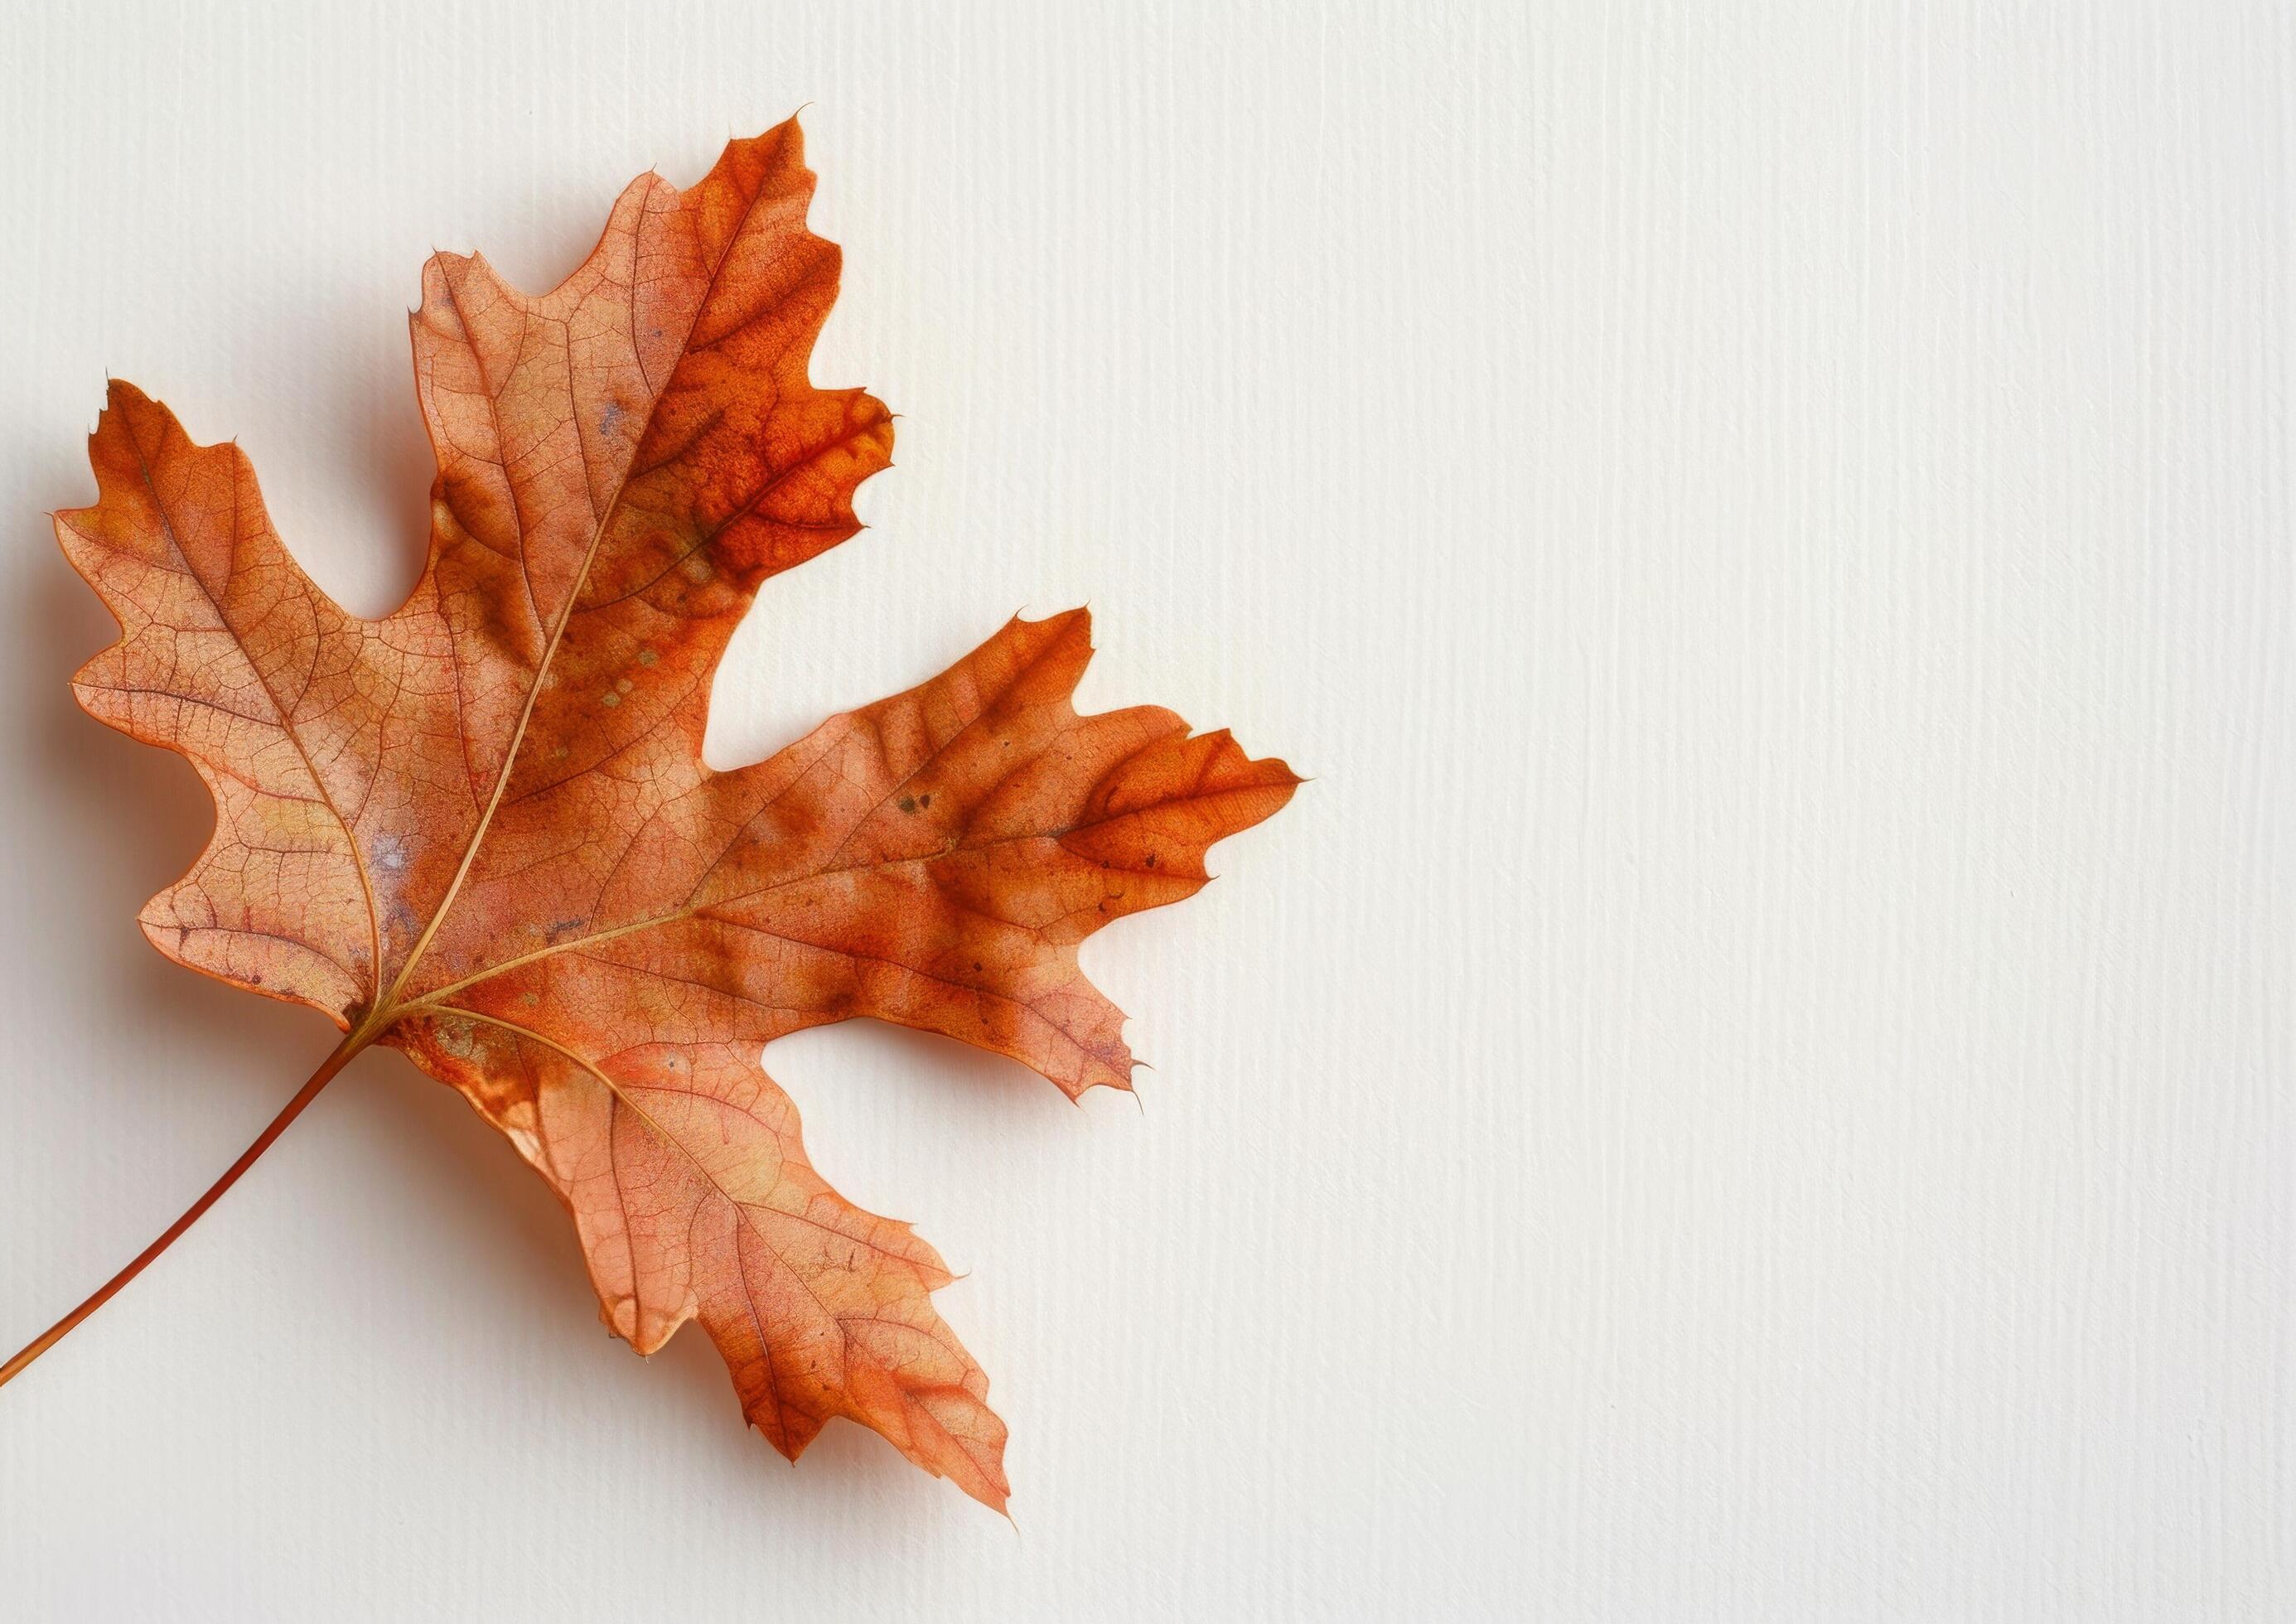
column 1755, row 1083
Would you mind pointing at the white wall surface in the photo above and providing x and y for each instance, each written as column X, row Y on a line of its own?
column 1755, row 1084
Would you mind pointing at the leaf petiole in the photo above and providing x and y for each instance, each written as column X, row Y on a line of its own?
column 359, row 1037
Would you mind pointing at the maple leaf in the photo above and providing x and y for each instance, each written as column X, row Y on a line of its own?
column 480, row 830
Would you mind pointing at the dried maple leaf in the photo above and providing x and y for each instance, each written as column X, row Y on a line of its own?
column 480, row 830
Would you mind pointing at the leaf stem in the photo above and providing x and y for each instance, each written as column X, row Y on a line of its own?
column 359, row 1039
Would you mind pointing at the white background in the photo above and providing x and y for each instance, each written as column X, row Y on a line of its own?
column 1754, row 1084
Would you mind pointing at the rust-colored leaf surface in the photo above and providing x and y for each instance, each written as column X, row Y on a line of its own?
column 480, row 830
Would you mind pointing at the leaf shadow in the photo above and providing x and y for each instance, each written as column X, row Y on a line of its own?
column 436, row 1156
column 128, row 818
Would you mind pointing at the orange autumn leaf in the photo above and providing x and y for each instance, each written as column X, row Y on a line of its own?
column 480, row 830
